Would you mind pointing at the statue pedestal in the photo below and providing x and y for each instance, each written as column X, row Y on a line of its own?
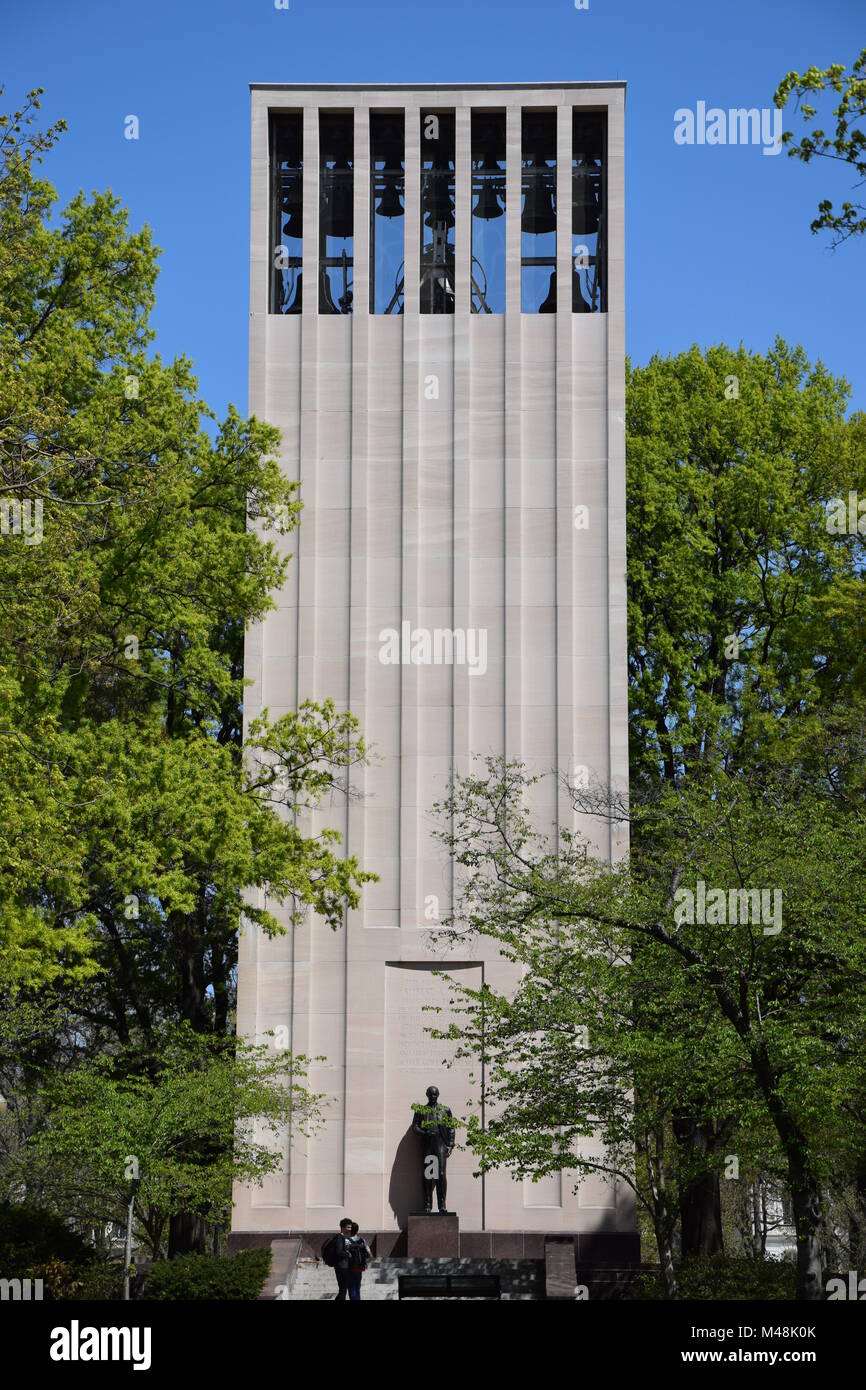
column 433, row 1235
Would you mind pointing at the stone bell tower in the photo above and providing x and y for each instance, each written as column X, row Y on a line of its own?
column 437, row 329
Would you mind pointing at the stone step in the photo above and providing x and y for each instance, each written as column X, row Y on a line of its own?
column 317, row 1282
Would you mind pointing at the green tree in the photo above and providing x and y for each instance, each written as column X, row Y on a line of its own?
column 141, row 537
column 741, row 603
column 733, row 578
column 121, row 652
column 766, row 1014
column 172, row 1130
column 847, row 145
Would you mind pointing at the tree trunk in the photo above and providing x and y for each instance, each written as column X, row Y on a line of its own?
column 192, row 1005
column 805, row 1193
column 857, row 1223
column 666, row 1258
column 700, row 1199
column 701, row 1216
column 219, row 976
column 663, row 1218
column 186, row 1234
column 806, row 1203
column 756, row 1219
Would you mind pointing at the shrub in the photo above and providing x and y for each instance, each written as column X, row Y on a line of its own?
column 723, row 1278
column 37, row 1244
column 97, row 1281
column 61, row 1279
column 187, row 1277
column 31, row 1236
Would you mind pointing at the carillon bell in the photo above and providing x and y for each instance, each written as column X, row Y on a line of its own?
column 340, row 205
column 586, row 200
column 291, row 212
column 488, row 205
column 579, row 304
column 390, row 205
column 436, row 195
column 548, row 306
column 539, row 209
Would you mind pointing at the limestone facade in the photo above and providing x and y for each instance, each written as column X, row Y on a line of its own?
column 456, row 512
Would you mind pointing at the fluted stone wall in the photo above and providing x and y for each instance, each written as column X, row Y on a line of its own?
column 450, row 512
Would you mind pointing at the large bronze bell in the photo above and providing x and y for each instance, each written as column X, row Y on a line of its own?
column 548, row 305
column 390, row 205
column 586, row 183
column 488, row 205
column 436, row 196
column 339, row 206
column 539, row 207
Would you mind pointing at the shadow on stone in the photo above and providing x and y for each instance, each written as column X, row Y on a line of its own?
column 404, row 1190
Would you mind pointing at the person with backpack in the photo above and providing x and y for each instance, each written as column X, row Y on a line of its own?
column 359, row 1254
column 335, row 1252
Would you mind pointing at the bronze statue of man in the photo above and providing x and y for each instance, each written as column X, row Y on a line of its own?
column 433, row 1123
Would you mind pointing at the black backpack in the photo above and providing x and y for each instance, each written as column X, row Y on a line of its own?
column 329, row 1251
column 358, row 1255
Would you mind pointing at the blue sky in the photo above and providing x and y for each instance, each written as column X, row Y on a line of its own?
column 718, row 242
